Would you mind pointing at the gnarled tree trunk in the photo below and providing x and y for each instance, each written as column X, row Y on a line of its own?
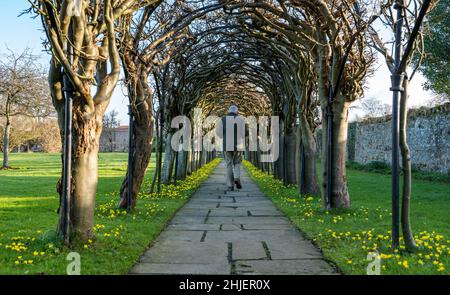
column 189, row 163
column 142, row 138
column 289, row 157
column 182, row 165
column 279, row 163
column 309, row 184
column 166, row 173
column 410, row 243
column 86, row 137
column 340, row 197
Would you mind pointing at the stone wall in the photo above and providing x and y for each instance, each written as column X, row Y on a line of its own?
column 428, row 133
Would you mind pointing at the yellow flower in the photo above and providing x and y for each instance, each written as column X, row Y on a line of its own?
column 16, row 262
column 349, row 262
column 405, row 264
column 385, row 256
column 35, row 253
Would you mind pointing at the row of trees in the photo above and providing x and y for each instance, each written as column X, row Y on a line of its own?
column 32, row 134
column 90, row 43
column 304, row 61
column 334, row 45
column 24, row 104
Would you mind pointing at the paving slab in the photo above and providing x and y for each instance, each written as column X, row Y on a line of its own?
column 198, row 227
column 265, row 212
column 292, row 249
column 183, row 219
column 228, row 212
column 238, row 232
column 181, row 235
column 284, row 267
column 193, row 212
column 186, row 252
column 249, row 220
column 248, row 250
column 236, row 227
column 276, row 237
column 266, row 226
column 181, row 268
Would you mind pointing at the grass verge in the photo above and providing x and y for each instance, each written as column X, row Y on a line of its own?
column 346, row 237
column 28, row 218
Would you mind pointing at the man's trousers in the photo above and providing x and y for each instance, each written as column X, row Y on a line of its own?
column 233, row 161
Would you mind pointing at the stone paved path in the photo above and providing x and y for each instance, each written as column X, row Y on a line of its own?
column 238, row 232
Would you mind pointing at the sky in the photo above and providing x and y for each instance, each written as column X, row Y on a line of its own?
column 20, row 32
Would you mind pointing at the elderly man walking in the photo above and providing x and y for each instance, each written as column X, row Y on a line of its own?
column 233, row 139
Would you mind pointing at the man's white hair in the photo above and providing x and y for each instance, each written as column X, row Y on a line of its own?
column 233, row 109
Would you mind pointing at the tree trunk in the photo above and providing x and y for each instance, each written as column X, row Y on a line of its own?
column 189, row 163
column 279, row 163
column 298, row 157
column 204, row 157
column 258, row 159
column 289, row 158
column 154, row 181
column 166, row 172
column 194, row 161
column 6, row 136
column 199, row 159
column 142, row 138
column 157, row 152
column 309, row 184
column 86, row 137
column 340, row 197
column 160, row 151
column 410, row 243
column 181, row 169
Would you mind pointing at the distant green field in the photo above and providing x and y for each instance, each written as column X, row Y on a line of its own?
column 28, row 203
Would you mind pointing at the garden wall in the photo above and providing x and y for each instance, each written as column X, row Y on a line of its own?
column 428, row 134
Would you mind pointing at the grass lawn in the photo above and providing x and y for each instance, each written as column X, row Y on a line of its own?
column 28, row 203
column 347, row 236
